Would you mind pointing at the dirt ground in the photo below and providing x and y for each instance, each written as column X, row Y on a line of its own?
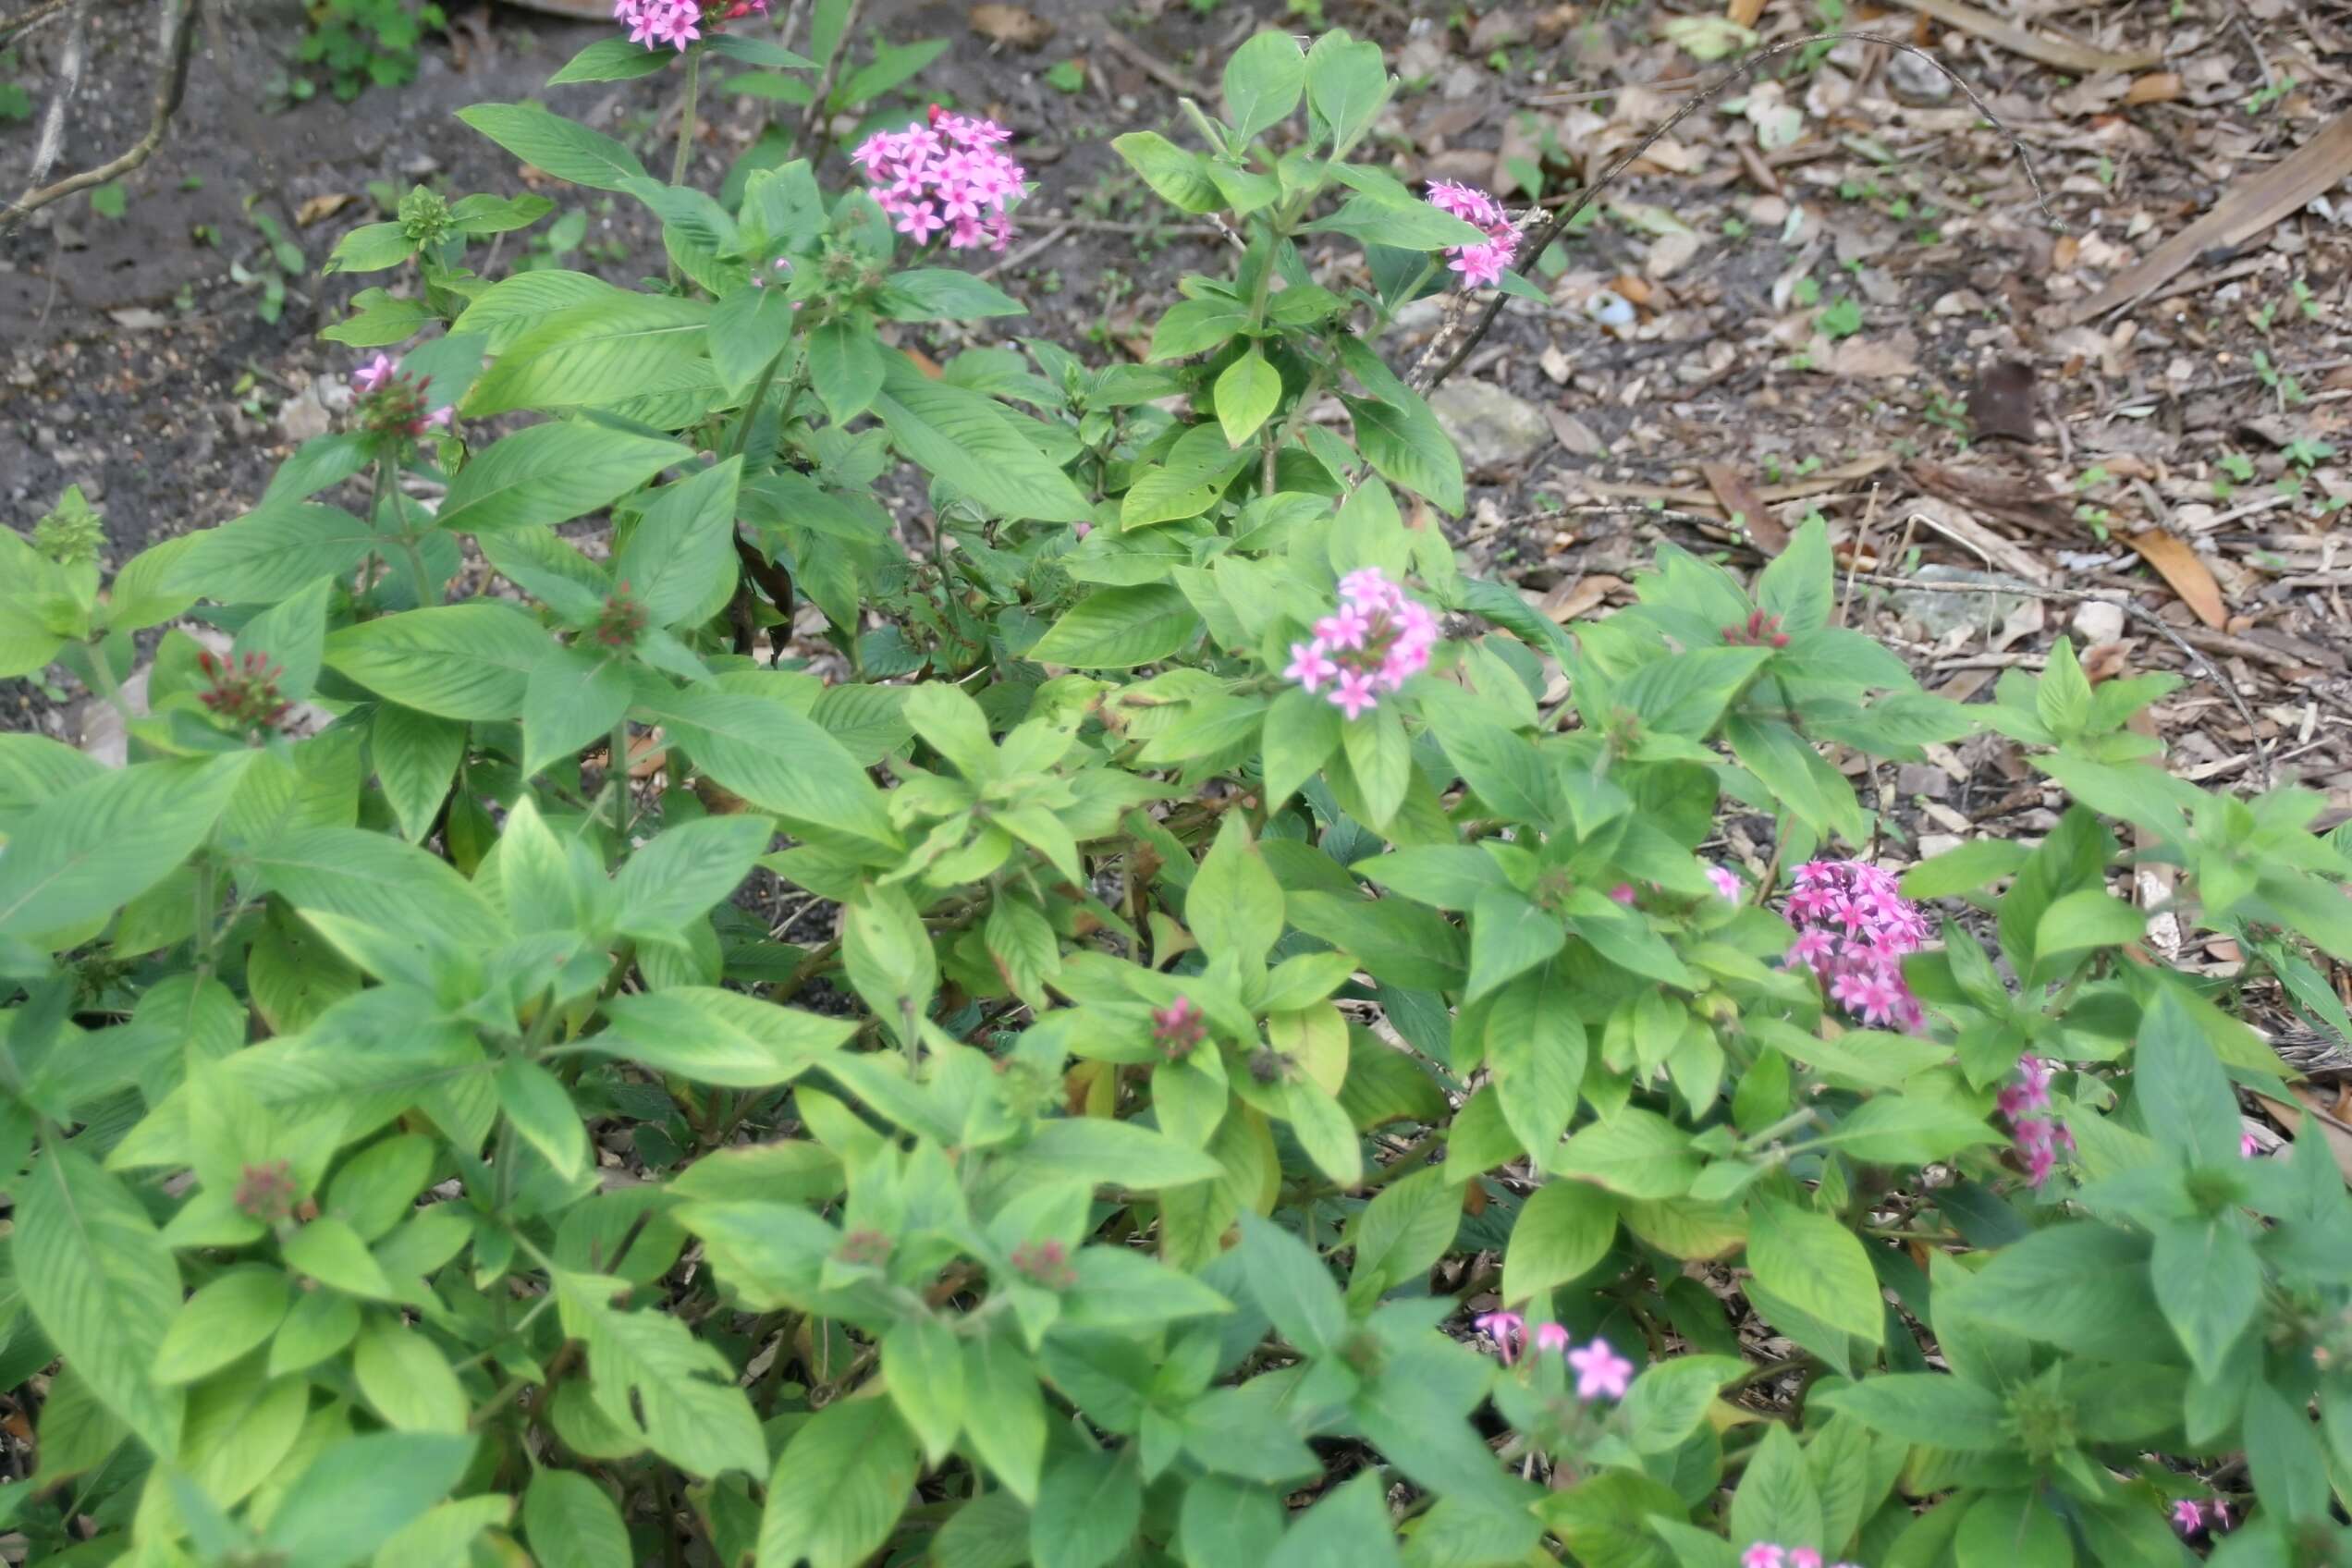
column 1830, row 287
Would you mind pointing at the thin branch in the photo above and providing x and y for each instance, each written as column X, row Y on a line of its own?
column 26, row 21
column 1540, row 241
column 169, row 92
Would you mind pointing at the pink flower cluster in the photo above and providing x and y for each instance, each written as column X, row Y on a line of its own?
column 2190, row 1516
column 677, row 22
column 1765, row 1554
column 2039, row 1137
column 1479, row 265
column 1375, row 642
column 1854, row 928
column 947, row 174
column 393, row 404
column 1602, row 1373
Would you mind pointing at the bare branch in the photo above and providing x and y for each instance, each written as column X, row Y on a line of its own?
column 173, row 83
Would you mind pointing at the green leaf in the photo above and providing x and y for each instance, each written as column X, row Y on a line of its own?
column 1246, row 394
column 2062, row 698
column 556, row 145
column 221, row 1322
column 1403, row 1232
column 1185, row 483
column 845, row 366
column 570, row 1522
column 1408, row 226
column 1120, row 627
column 1302, row 731
column 468, row 661
column 1349, row 1528
column 1178, row 178
column 1776, row 1501
column 651, row 1375
column 550, row 474
column 943, row 294
column 1407, row 446
column 330, row 1252
column 680, row 874
column 603, row 352
column 1010, row 1438
column 1087, row 1509
column 2182, row 1093
column 1907, row 1130
column 887, row 952
column 2209, row 1283
column 1347, row 81
column 369, row 248
column 923, row 1373
column 275, row 550
column 1379, row 758
column 966, row 440
column 2087, row 917
column 2012, row 1529
column 1098, row 1150
column 574, row 696
column 94, row 848
column 1509, row 935
column 1234, row 906
column 291, row 637
column 1561, row 1233
column 361, row 1491
column 1292, row 1287
column 1800, row 584
column 611, row 59
column 1263, row 80
column 2081, row 1286
column 375, row 879
column 839, row 1487
column 749, row 328
column 680, row 560
column 101, row 1283
column 1934, row 1409
column 1816, row 1265
column 1535, row 1048
column 511, row 307
column 781, row 762
column 407, row 1381
column 1667, row 1402
column 540, row 1106
column 718, row 1037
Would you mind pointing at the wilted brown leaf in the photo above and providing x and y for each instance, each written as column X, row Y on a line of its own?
column 2189, row 577
column 1571, row 599
column 1744, row 508
column 2157, row 87
column 1015, row 25
column 317, row 207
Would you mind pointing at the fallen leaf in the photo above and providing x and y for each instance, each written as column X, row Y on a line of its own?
column 2158, row 87
column 1887, row 359
column 2059, row 52
column 1574, row 434
column 1015, row 25
column 1744, row 13
column 1569, row 600
column 2002, row 402
column 1669, row 254
column 924, row 362
column 317, row 207
column 2189, row 577
column 137, row 318
column 1632, row 289
column 1744, row 508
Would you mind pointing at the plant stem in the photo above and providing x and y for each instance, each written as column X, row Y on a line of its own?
column 685, row 131
column 751, row 404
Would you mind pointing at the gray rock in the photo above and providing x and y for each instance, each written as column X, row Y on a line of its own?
column 1496, row 432
column 1916, row 83
column 1942, row 611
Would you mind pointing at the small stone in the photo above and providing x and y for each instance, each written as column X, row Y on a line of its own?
column 1914, row 81
column 1914, row 778
column 1943, row 612
column 1669, row 254
column 1496, row 432
column 2097, row 621
column 305, row 416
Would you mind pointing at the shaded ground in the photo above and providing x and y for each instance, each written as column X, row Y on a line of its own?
column 1807, row 276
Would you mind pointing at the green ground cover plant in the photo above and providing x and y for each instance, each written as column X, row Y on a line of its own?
column 1223, row 967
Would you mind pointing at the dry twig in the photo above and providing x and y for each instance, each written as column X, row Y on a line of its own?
column 179, row 35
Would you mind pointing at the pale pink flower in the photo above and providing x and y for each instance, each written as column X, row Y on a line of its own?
column 919, row 221
column 374, row 375
column 1353, row 696
column 1310, row 666
column 1344, row 628
column 1508, row 1329
column 2248, row 1145
column 1480, row 264
column 1804, row 1557
column 1623, row 893
column 1763, row 1554
column 1600, row 1371
column 1726, row 881
column 2188, row 1517
column 1553, row 1337
column 951, row 171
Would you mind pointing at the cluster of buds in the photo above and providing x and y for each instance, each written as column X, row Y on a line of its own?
column 1762, row 630
column 1178, row 1028
column 621, row 621
column 677, row 23
column 424, row 217
column 1375, row 642
column 267, row 1192
column 243, row 691
column 781, row 264
column 950, row 176
column 1602, row 1373
column 392, row 402
column 2190, row 1516
column 1483, row 263
column 864, row 1249
column 1770, row 1554
column 2036, row 1134
column 71, row 535
column 1045, row 1263
column 1854, row 928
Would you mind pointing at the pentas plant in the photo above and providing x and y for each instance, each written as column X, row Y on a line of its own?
column 1089, row 1013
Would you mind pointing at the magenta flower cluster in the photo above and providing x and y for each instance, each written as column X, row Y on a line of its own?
column 1853, row 928
column 2190, row 1516
column 1602, row 1373
column 1482, row 264
column 1375, row 642
column 1766, row 1554
column 677, row 23
column 392, row 403
column 950, row 175
column 2036, row 1134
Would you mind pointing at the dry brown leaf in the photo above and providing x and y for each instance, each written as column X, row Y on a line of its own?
column 2293, row 1119
column 317, row 207
column 1569, row 600
column 1574, row 434
column 2251, row 206
column 2157, row 87
column 2190, row 578
column 1745, row 12
column 924, row 362
column 1744, row 508
column 2059, row 52
column 1016, row 26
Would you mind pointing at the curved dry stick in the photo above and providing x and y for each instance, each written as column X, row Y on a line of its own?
column 169, row 92
column 1540, row 241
